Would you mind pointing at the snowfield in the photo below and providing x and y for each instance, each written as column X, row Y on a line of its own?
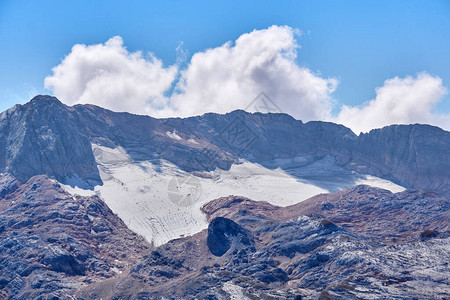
column 161, row 202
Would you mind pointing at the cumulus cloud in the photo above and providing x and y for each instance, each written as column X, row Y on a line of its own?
column 220, row 80
column 110, row 76
column 229, row 77
column 399, row 101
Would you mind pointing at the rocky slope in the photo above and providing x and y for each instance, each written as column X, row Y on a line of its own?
column 52, row 243
column 371, row 212
column 358, row 243
column 46, row 137
column 43, row 137
column 395, row 246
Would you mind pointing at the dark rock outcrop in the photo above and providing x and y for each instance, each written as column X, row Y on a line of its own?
column 224, row 234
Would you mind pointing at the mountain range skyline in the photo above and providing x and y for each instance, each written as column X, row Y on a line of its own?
column 224, row 150
column 313, row 70
column 102, row 204
column 252, row 125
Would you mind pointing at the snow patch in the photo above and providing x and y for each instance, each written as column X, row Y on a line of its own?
column 380, row 183
column 173, row 135
column 77, row 191
column 234, row 292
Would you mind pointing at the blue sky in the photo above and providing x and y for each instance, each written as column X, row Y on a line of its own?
column 360, row 43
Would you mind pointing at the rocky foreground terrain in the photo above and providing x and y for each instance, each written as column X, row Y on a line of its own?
column 361, row 243
column 52, row 243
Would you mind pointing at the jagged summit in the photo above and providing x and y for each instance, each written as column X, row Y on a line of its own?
column 38, row 103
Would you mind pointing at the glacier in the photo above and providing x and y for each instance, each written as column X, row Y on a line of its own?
column 139, row 191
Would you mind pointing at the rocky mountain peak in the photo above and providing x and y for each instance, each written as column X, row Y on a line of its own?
column 41, row 100
column 43, row 137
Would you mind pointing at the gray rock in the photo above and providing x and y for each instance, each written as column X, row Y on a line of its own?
column 320, row 256
column 224, row 234
column 46, row 137
column 43, row 137
column 49, row 246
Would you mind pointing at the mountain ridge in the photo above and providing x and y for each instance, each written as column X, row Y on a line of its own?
column 44, row 131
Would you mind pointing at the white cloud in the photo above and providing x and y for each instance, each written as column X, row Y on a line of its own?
column 399, row 101
column 229, row 77
column 220, row 80
column 110, row 76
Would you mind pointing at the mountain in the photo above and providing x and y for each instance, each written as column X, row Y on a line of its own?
column 388, row 246
column 95, row 203
column 46, row 137
column 43, row 137
column 270, row 157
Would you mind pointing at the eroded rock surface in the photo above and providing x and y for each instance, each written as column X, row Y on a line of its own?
column 52, row 243
column 312, row 250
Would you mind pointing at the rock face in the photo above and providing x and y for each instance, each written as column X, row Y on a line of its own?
column 224, row 234
column 51, row 243
column 371, row 212
column 312, row 250
column 417, row 155
column 43, row 137
column 46, row 137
